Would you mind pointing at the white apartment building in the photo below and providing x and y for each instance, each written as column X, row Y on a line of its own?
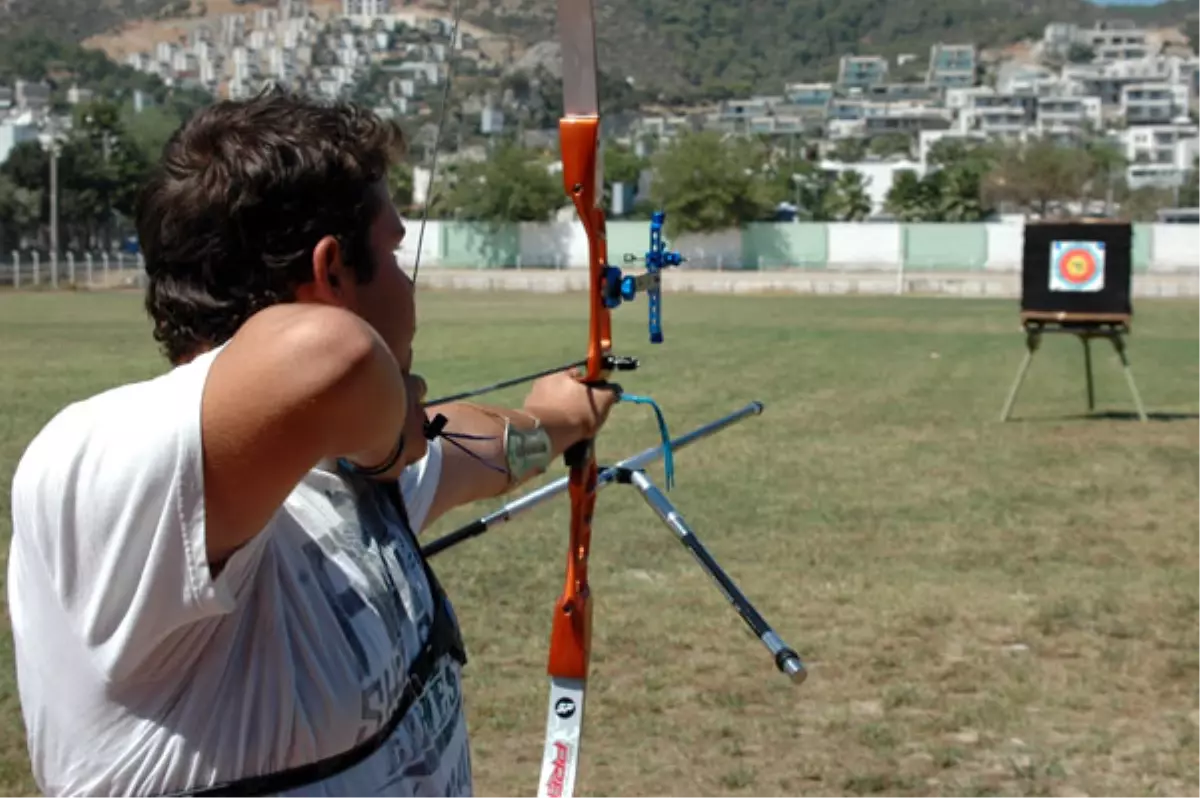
column 1110, row 40
column 1118, row 40
column 661, row 127
column 30, row 95
column 985, row 110
column 14, row 131
column 1016, row 78
column 1105, row 80
column 1153, row 103
column 1160, row 156
column 1064, row 117
column 366, row 8
column 1159, row 144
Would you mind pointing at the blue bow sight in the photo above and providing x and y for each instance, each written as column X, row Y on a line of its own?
column 620, row 287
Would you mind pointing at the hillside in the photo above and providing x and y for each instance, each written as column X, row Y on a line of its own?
column 684, row 47
column 73, row 20
column 676, row 49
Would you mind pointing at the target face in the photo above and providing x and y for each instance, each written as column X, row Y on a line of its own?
column 1077, row 266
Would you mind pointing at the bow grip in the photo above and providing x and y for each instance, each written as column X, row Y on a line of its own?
column 577, row 453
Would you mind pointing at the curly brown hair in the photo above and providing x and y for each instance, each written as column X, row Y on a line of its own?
column 245, row 190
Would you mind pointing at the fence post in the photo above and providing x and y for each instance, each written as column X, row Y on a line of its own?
column 88, row 259
column 16, row 268
column 37, row 268
column 71, row 267
column 104, row 265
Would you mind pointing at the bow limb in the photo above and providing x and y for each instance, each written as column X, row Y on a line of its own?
column 582, row 164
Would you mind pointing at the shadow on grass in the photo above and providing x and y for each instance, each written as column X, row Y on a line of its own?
column 1109, row 415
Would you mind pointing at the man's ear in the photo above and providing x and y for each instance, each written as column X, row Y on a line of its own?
column 329, row 269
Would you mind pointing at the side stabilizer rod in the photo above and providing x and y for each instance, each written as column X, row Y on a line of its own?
column 607, row 477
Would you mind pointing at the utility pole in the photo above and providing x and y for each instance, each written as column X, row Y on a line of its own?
column 54, row 212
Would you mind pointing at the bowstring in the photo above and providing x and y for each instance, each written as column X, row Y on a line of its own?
column 437, row 141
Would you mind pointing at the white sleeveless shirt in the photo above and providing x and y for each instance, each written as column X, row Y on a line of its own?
column 141, row 674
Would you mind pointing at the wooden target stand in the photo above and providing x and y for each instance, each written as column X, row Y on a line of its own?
column 1085, row 326
column 1076, row 279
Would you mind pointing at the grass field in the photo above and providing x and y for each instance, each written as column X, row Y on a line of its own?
column 985, row 608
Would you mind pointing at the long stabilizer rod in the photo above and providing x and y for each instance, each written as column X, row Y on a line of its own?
column 607, row 477
column 786, row 659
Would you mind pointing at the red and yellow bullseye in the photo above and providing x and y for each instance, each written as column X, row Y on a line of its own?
column 1077, row 266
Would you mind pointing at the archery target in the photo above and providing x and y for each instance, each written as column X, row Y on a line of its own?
column 1077, row 266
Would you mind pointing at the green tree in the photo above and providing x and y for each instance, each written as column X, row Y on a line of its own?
column 908, row 198
column 1080, row 54
column 27, row 165
column 1189, row 193
column 959, row 192
column 100, row 172
column 20, row 212
column 1143, row 204
column 812, row 188
column 707, row 183
column 847, row 199
column 795, row 178
column 952, row 151
column 851, row 150
column 1106, row 166
column 621, row 165
column 150, row 129
column 950, row 194
column 1038, row 176
column 118, row 165
column 512, row 185
column 890, row 144
column 400, row 185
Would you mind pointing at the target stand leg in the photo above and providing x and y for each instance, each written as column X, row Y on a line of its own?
column 1118, row 342
column 1033, row 338
column 1087, row 365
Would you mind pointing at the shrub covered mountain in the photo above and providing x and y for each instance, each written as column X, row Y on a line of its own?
column 711, row 48
column 73, row 20
column 688, row 49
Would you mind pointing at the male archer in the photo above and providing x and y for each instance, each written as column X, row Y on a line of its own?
column 214, row 581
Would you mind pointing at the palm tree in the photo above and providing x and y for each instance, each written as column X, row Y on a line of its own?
column 961, row 197
column 847, row 199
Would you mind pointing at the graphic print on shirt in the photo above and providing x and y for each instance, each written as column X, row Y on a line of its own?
column 394, row 586
column 346, row 601
column 428, row 731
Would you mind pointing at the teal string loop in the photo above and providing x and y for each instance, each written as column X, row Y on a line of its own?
column 668, row 458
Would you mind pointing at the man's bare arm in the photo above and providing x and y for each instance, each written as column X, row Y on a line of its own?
column 483, row 473
column 565, row 408
column 296, row 384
